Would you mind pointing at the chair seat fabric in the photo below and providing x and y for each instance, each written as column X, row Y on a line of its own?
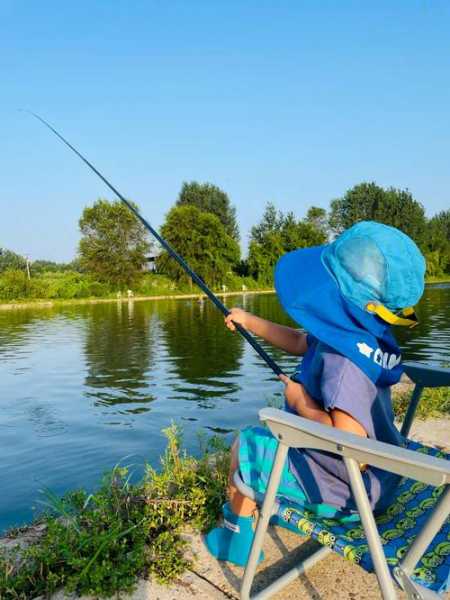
column 412, row 503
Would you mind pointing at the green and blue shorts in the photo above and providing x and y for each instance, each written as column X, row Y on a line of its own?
column 257, row 448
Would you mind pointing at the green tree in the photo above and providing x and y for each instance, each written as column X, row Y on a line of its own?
column 438, row 244
column 296, row 233
column 114, row 245
column 202, row 240
column 317, row 217
column 368, row 201
column 271, row 222
column 262, row 256
column 11, row 261
column 49, row 266
column 275, row 235
column 210, row 198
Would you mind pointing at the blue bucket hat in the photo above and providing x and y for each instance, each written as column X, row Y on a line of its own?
column 348, row 293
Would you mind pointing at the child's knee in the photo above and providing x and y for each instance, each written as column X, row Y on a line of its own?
column 234, row 465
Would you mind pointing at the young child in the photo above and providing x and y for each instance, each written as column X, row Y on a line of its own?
column 346, row 294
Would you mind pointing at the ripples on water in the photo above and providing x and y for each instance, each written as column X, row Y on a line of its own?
column 84, row 386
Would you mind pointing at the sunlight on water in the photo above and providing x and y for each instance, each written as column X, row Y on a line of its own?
column 84, row 386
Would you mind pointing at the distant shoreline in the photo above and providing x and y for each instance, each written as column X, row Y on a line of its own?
column 125, row 299
column 180, row 296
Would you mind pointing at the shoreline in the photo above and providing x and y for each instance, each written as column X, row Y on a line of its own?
column 49, row 303
column 81, row 301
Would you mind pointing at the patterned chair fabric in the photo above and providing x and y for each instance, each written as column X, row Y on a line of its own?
column 398, row 526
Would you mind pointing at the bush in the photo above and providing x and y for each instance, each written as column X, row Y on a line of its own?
column 153, row 284
column 14, row 285
column 101, row 543
column 235, row 282
column 98, row 289
column 70, row 285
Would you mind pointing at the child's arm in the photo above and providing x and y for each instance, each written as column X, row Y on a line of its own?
column 288, row 339
column 305, row 406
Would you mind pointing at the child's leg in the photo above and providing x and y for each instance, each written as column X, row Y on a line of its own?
column 232, row 541
column 240, row 504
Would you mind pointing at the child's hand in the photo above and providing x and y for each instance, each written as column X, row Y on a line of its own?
column 293, row 391
column 238, row 316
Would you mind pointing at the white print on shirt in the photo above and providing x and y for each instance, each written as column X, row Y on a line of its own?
column 384, row 359
column 364, row 349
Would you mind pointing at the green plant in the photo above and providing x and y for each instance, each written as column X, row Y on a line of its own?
column 433, row 403
column 101, row 543
column 13, row 285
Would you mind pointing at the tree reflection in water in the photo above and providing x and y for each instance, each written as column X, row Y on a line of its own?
column 119, row 350
column 205, row 356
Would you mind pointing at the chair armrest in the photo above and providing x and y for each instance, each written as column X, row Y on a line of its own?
column 297, row 432
column 427, row 376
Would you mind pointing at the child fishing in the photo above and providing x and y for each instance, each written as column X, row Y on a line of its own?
column 346, row 295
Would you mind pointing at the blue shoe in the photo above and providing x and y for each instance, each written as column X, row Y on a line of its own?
column 233, row 541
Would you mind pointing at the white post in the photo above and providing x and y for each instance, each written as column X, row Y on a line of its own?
column 28, row 266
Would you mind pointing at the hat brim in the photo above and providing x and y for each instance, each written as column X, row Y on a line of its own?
column 310, row 295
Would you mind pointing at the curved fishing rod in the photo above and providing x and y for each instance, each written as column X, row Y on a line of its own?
column 202, row 285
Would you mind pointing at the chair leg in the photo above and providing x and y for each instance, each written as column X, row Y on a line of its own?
column 413, row 590
column 370, row 528
column 263, row 521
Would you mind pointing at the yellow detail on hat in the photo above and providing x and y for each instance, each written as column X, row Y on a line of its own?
column 406, row 317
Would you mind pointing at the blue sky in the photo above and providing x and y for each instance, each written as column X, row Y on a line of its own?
column 292, row 102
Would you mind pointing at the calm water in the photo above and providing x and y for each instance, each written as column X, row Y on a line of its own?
column 85, row 386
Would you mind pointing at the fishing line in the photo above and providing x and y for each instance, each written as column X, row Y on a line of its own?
column 180, row 260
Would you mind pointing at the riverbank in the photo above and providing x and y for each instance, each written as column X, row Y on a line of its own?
column 124, row 299
column 444, row 279
column 173, row 295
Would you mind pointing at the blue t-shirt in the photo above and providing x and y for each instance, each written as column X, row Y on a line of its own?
column 334, row 381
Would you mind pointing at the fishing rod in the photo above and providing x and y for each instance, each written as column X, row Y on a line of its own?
column 180, row 260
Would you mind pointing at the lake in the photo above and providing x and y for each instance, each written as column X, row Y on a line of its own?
column 85, row 386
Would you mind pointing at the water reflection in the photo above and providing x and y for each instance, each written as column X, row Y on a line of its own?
column 204, row 354
column 119, row 348
column 15, row 326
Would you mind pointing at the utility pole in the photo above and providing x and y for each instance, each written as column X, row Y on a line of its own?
column 28, row 265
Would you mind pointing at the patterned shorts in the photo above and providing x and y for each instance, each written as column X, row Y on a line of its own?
column 257, row 448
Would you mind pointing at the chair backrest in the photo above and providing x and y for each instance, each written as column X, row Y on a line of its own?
column 427, row 376
column 423, row 376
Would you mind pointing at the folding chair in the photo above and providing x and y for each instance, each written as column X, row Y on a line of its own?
column 409, row 544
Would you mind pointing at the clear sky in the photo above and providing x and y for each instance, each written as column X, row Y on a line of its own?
column 286, row 101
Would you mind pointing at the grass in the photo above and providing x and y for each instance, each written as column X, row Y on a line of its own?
column 72, row 287
column 439, row 279
column 101, row 543
column 434, row 402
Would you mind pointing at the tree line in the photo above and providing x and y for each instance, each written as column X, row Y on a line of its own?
column 202, row 226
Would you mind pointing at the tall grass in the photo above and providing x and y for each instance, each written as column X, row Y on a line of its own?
column 70, row 285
